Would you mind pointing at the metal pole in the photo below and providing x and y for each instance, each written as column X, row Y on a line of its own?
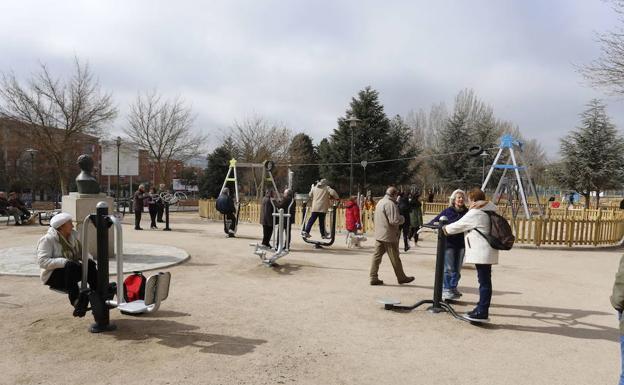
column 117, row 194
column 166, row 217
column 351, row 165
column 32, row 173
column 101, row 312
column 439, row 268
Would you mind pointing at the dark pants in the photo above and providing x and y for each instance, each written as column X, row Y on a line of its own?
column 153, row 210
column 484, row 274
column 406, row 231
column 161, row 209
column 414, row 233
column 67, row 278
column 24, row 213
column 232, row 218
column 267, row 233
column 321, row 218
column 137, row 218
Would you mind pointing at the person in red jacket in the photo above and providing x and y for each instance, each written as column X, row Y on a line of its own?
column 353, row 222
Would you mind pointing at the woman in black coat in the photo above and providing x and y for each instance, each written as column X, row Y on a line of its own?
column 404, row 210
column 266, row 218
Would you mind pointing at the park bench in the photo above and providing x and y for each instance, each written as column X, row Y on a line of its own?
column 181, row 204
column 45, row 211
column 8, row 218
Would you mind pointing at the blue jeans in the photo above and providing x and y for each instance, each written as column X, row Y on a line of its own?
column 484, row 274
column 453, row 260
column 321, row 218
column 622, row 355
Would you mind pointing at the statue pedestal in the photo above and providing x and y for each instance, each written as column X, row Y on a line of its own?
column 79, row 206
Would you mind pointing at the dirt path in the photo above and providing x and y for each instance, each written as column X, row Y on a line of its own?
column 314, row 320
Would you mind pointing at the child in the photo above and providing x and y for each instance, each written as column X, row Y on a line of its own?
column 353, row 223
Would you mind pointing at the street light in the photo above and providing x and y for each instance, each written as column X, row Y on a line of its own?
column 32, row 153
column 483, row 155
column 353, row 123
column 118, row 143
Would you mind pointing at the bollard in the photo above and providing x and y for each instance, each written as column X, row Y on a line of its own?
column 166, row 217
column 101, row 312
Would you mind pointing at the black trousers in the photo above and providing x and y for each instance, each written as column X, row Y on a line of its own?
column 137, row 218
column 161, row 209
column 232, row 218
column 267, row 233
column 313, row 217
column 406, row 230
column 153, row 211
column 67, row 278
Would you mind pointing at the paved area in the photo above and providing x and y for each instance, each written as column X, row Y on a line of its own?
column 315, row 320
column 21, row 260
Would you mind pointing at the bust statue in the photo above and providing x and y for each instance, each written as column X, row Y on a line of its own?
column 85, row 181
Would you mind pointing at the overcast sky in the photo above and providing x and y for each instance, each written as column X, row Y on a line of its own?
column 300, row 62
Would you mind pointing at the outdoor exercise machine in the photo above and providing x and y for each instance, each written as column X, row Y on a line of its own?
column 437, row 305
column 232, row 177
column 332, row 214
column 281, row 237
column 510, row 187
column 156, row 286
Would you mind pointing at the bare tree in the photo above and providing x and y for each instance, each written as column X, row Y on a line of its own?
column 607, row 71
column 255, row 139
column 164, row 129
column 57, row 113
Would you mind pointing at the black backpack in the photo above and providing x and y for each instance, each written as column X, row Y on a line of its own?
column 500, row 236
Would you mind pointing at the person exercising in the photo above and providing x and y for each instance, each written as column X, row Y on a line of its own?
column 225, row 205
column 321, row 194
column 59, row 255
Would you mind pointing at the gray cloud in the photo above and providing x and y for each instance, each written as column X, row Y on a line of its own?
column 300, row 62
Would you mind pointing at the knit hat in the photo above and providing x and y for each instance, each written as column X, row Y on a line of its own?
column 59, row 220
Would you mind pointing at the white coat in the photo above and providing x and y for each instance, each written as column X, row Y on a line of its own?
column 50, row 253
column 478, row 250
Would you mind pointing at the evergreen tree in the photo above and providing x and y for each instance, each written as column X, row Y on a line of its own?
column 471, row 124
column 374, row 139
column 593, row 155
column 301, row 151
column 212, row 180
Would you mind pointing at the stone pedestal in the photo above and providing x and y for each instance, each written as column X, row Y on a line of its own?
column 79, row 206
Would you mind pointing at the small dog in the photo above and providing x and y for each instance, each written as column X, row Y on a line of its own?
column 355, row 239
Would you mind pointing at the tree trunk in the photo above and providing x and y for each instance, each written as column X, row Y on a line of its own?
column 597, row 199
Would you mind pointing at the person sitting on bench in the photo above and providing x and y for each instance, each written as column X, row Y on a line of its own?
column 59, row 255
column 7, row 209
column 16, row 202
column 225, row 205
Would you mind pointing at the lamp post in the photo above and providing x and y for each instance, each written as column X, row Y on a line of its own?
column 483, row 155
column 364, row 163
column 32, row 152
column 118, row 143
column 353, row 123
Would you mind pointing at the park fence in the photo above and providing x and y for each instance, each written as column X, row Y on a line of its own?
column 558, row 227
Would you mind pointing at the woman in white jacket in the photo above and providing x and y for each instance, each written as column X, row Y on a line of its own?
column 478, row 250
column 59, row 255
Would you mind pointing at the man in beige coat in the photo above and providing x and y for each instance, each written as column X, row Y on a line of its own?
column 321, row 194
column 387, row 222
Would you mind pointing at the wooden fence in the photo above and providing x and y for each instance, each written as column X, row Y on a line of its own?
column 578, row 227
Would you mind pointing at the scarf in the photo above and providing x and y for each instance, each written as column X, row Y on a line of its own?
column 71, row 252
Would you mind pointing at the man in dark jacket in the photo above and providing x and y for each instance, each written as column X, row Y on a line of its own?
column 16, row 202
column 266, row 218
column 285, row 204
column 225, row 205
column 138, row 202
column 7, row 209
